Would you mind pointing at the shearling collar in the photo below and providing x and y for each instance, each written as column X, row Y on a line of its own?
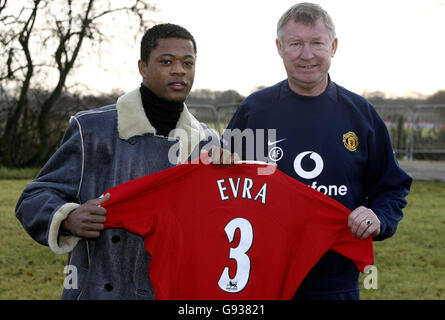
column 132, row 121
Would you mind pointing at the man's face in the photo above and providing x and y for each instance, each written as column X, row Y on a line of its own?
column 306, row 51
column 170, row 70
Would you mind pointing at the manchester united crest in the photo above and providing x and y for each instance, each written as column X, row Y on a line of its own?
column 350, row 141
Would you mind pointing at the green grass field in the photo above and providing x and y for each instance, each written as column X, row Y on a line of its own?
column 410, row 265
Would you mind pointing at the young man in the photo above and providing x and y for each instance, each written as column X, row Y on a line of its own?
column 328, row 138
column 108, row 146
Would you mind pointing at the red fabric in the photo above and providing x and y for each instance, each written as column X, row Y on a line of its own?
column 181, row 216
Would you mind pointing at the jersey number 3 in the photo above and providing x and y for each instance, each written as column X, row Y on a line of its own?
column 239, row 282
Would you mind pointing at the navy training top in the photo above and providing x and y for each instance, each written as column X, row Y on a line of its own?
column 335, row 143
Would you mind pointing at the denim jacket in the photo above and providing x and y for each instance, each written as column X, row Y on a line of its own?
column 102, row 148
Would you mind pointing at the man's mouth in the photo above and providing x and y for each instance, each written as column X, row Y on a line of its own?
column 308, row 66
column 177, row 85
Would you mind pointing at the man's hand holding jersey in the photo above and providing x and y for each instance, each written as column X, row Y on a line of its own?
column 363, row 222
column 88, row 219
column 222, row 156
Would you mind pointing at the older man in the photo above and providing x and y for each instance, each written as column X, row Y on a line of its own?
column 328, row 138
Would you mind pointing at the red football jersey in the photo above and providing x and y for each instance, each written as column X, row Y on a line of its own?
column 217, row 232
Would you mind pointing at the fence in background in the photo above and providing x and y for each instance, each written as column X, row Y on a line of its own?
column 414, row 130
column 428, row 130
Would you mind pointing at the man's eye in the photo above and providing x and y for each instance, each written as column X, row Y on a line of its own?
column 166, row 62
column 189, row 63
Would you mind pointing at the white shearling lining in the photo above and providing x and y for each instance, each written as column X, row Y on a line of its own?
column 132, row 121
column 131, row 118
column 62, row 244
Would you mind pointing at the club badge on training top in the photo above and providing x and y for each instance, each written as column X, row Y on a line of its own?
column 350, row 141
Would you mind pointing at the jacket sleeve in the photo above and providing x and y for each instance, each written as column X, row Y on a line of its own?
column 54, row 193
column 387, row 185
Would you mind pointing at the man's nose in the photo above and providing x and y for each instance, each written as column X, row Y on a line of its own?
column 307, row 52
column 178, row 68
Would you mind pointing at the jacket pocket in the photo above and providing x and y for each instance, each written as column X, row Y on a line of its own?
column 145, row 294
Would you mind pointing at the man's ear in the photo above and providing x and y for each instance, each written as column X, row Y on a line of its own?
column 142, row 66
column 279, row 47
column 334, row 47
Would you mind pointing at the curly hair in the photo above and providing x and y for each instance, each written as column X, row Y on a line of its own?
column 162, row 31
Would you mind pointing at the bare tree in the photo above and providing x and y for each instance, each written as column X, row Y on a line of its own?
column 40, row 43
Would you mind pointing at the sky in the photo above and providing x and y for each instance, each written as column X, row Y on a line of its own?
column 393, row 46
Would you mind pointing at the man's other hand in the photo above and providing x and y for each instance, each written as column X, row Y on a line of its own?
column 363, row 222
column 87, row 220
column 222, row 156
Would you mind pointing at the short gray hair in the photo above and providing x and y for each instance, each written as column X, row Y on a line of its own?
column 306, row 13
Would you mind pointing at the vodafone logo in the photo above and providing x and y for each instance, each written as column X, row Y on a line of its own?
column 314, row 172
column 330, row 190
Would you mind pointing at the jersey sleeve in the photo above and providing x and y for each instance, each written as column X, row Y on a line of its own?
column 327, row 221
column 335, row 219
column 135, row 213
column 135, row 204
column 361, row 252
